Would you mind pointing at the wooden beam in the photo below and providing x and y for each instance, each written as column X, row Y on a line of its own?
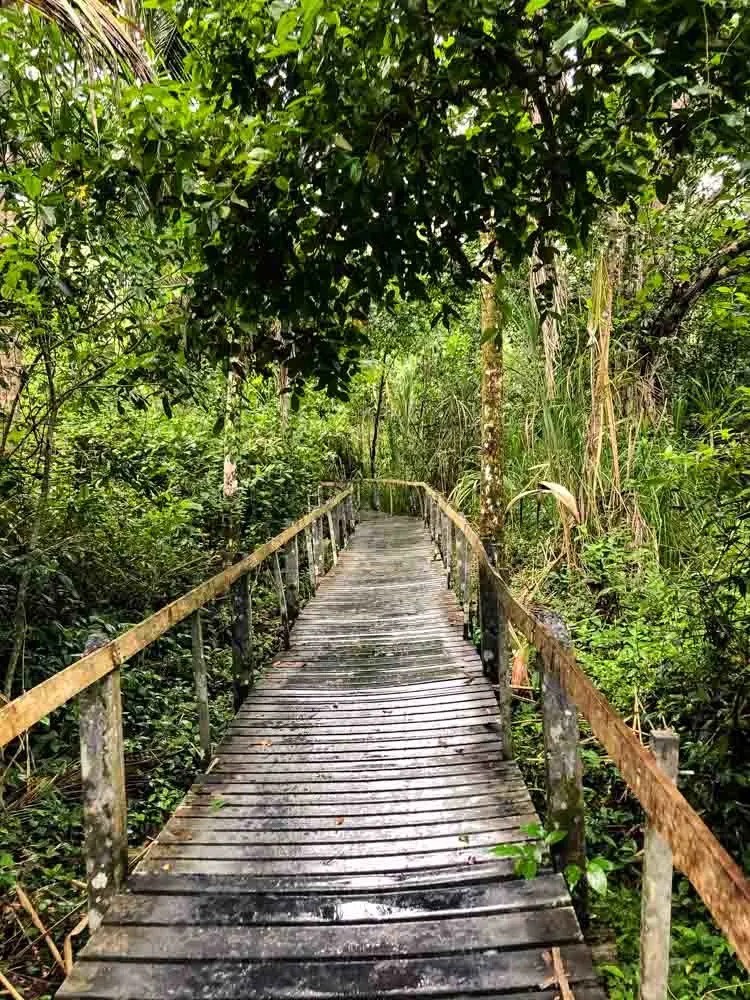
column 201, row 684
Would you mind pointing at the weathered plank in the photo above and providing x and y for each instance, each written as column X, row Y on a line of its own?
column 341, row 843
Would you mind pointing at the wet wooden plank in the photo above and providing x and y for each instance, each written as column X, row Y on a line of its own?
column 340, row 844
column 503, row 971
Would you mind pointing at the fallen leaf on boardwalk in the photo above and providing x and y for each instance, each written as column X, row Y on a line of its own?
column 166, row 867
column 339, row 820
column 265, row 743
column 290, row 663
column 464, row 838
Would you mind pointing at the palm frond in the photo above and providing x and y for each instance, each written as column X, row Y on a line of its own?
column 98, row 30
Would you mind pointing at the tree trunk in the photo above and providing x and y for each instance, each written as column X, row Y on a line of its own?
column 11, row 383
column 48, row 455
column 232, row 507
column 492, row 492
column 378, row 409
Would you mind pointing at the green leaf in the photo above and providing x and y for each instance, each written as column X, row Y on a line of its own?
column 595, row 34
column 341, row 142
column 572, row 875
column 641, row 68
column 556, row 836
column 217, row 804
column 534, row 5
column 597, row 879
column 571, row 36
column 527, row 867
column 282, row 183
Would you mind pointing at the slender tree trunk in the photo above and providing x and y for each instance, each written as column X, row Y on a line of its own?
column 378, row 409
column 11, row 383
column 492, row 492
column 48, row 455
column 282, row 380
column 232, row 413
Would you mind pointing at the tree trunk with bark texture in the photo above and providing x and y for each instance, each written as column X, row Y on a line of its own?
column 231, row 488
column 378, row 410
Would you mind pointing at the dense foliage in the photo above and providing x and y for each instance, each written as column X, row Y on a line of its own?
column 281, row 203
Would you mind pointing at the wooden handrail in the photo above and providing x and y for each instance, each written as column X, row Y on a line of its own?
column 26, row 710
column 720, row 882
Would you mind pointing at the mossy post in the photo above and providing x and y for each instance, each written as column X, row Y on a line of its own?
column 332, row 536
column 310, row 549
column 656, row 884
column 103, row 789
column 242, row 640
column 281, row 594
column 564, row 770
column 291, row 571
column 201, row 684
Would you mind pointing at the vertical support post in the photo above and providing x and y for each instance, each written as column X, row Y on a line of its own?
column 357, row 502
column 292, row 578
column 332, row 533
column 242, row 641
column 201, row 684
column 446, row 534
column 312, row 568
column 494, row 646
column 465, row 570
column 451, row 550
column 104, row 798
column 317, row 532
column 439, row 529
column 376, row 497
column 341, row 526
column 281, row 592
column 656, row 886
column 565, row 808
column 390, row 499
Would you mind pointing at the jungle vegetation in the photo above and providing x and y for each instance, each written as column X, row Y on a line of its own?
column 249, row 246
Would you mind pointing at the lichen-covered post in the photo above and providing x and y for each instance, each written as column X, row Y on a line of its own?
column 312, row 569
column 564, row 770
column 433, row 518
column 201, row 684
column 341, row 526
column 656, row 884
column 450, row 553
column 292, row 578
column 103, row 788
column 466, row 584
column 317, row 533
column 390, row 500
column 332, row 533
column 494, row 646
column 242, row 640
column 281, row 594
column 376, row 497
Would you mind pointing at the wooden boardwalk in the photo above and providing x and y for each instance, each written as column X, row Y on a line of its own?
column 339, row 844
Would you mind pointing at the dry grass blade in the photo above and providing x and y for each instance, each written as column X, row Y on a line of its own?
column 37, row 922
column 97, row 28
column 68, row 945
column 10, row 988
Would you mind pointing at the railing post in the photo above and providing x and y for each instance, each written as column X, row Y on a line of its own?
column 341, row 526
column 103, row 791
column 292, row 578
column 451, row 549
column 332, row 533
column 494, row 646
column 201, row 684
column 465, row 570
column 281, row 593
column 390, row 499
column 565, row 807
column 242, row 640
column 312, row 568
column 317, row 533
column 375, row 497
column 656, row 884
column 433, row 518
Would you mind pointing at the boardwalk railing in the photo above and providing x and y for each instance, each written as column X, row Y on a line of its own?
column 567, row 691
column 95, row 681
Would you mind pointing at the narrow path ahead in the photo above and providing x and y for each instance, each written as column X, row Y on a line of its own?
column 339, row 844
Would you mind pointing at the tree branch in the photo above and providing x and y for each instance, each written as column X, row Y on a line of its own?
column 718, row 267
